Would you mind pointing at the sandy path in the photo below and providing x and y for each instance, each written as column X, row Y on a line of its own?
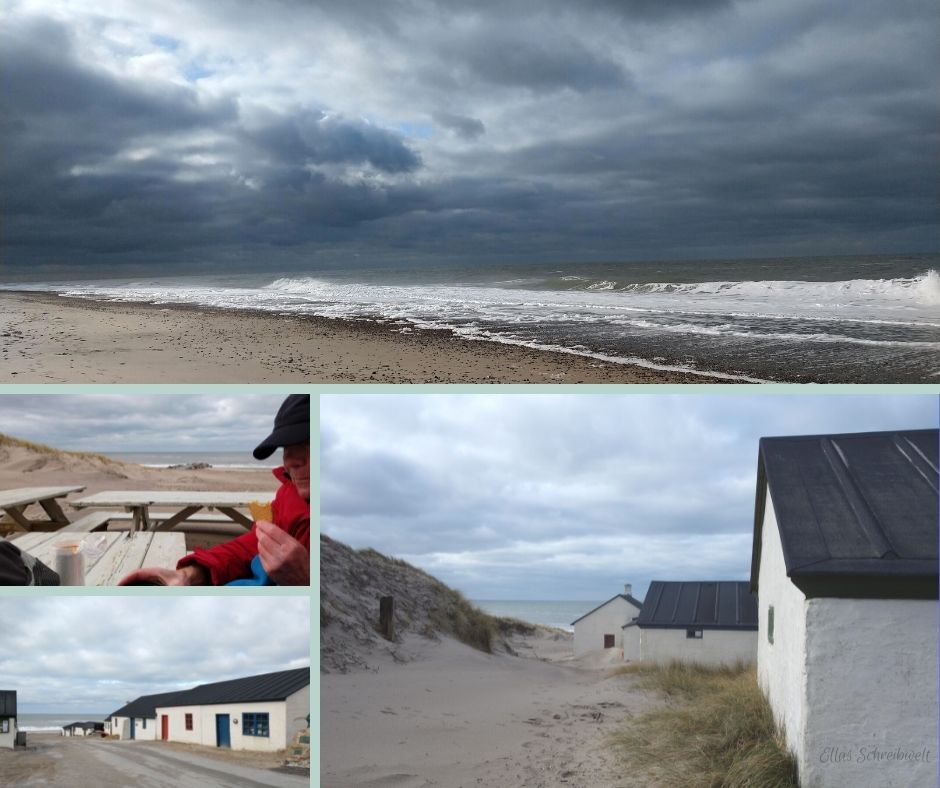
column 48, row 339
column 458, row 717
column 62, row 762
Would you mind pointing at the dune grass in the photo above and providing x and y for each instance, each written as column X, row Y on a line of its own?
column 715, row 731
column 42, row 448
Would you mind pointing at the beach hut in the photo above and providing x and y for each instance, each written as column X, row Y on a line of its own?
column 137, row 719
column 7, row 718
column 710, row 622
column 845, row 561
column 602, row 627
column 261, row 712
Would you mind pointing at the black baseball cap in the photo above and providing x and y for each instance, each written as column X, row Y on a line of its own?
column 291, row 425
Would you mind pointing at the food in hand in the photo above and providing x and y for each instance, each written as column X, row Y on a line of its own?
column 260, row 511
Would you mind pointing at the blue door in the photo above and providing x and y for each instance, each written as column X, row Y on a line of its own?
column 133, row 729
column 222, row 734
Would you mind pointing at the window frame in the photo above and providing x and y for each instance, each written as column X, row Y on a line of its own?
column 256, row 723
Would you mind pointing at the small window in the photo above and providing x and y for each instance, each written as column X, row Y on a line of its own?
column 770, row 625
column 144, row 723
column 189, row 722
column 255, row 724
column 694, row 633
column 608, row 641
column 4, row 725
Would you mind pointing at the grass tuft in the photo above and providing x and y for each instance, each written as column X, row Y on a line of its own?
column 716, row 731
column 42, row 448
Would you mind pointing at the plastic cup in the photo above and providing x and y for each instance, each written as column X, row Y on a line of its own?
column 70, row 562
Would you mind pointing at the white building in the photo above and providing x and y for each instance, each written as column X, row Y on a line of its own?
column 7, row 718
column 255, row 713
column 845, row 560
column 261, row 712
column 137, row 719
column 602, row 627
column 707, row 622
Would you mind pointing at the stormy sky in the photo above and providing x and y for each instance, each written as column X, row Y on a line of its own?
column 296, row 134
column 136, row 422
column 567, row 497
column 94, row 654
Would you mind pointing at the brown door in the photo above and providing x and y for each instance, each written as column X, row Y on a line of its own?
column 608, row 641
column 164, row 727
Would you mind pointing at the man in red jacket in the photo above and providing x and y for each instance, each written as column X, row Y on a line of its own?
column 277, row 551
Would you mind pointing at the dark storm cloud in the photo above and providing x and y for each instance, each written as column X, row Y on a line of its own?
column 599, row 130
column 468, row 128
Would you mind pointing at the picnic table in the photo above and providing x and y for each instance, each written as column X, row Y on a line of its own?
column 121, row 554
column 15, row 503
column 138, row 502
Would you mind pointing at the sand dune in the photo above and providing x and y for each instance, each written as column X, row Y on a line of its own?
column 427, row 710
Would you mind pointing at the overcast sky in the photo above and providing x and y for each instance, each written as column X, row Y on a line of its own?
column 293, row 132
column 137, row 422
column 567, row 497
column 93, row 654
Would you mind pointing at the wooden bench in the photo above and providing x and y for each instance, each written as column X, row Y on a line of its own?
column 198, row 523
column 94, row 521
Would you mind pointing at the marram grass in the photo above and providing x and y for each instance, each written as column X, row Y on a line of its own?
column 715, row 731
column 42, row 448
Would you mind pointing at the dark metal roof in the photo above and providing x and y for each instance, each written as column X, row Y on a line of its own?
column 857, row 513
column 266, row 686
column 7, row 703
column 145, row 705
column 629, row 597
column 718, row 604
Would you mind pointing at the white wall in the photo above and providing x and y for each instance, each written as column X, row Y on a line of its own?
column 297, row 711
column 871, row 693
column 715, row 647
column 150, row 733
column 606, row 620
column 781, row 667
column 8, row 739
column 204, row 724
column 631, row 644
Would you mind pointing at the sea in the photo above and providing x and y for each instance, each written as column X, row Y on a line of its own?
column 226, row 460
column 53, row 721
column 852, row 319
column 558, row 614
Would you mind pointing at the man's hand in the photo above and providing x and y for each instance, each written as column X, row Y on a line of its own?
column 286, row 560
column 191, row 575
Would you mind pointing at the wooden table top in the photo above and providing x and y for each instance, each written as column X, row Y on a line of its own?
column 110, row 498
column 121, row 554
column 28, row 495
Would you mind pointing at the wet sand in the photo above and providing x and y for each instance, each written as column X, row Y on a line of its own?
column 45, row 338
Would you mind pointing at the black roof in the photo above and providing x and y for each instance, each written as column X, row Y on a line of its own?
column 707, row 604
column 857, row 513
column 629, row 597
column 145, row 705
column 266, row 686
column 7, row 703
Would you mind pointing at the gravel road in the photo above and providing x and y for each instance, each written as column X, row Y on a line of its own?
column 63, row 762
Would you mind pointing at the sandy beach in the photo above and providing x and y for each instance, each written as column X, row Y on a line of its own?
column 46, row 338
column 457, row 717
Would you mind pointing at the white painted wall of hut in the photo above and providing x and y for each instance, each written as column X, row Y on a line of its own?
column 281, row 723
column 145, row 729
column 871, row 691
column 608, row 619
column 297, row 711
column 781, row 666
column 631, row 643
column 715, row 647
column 8, row 739
column 844, row 676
